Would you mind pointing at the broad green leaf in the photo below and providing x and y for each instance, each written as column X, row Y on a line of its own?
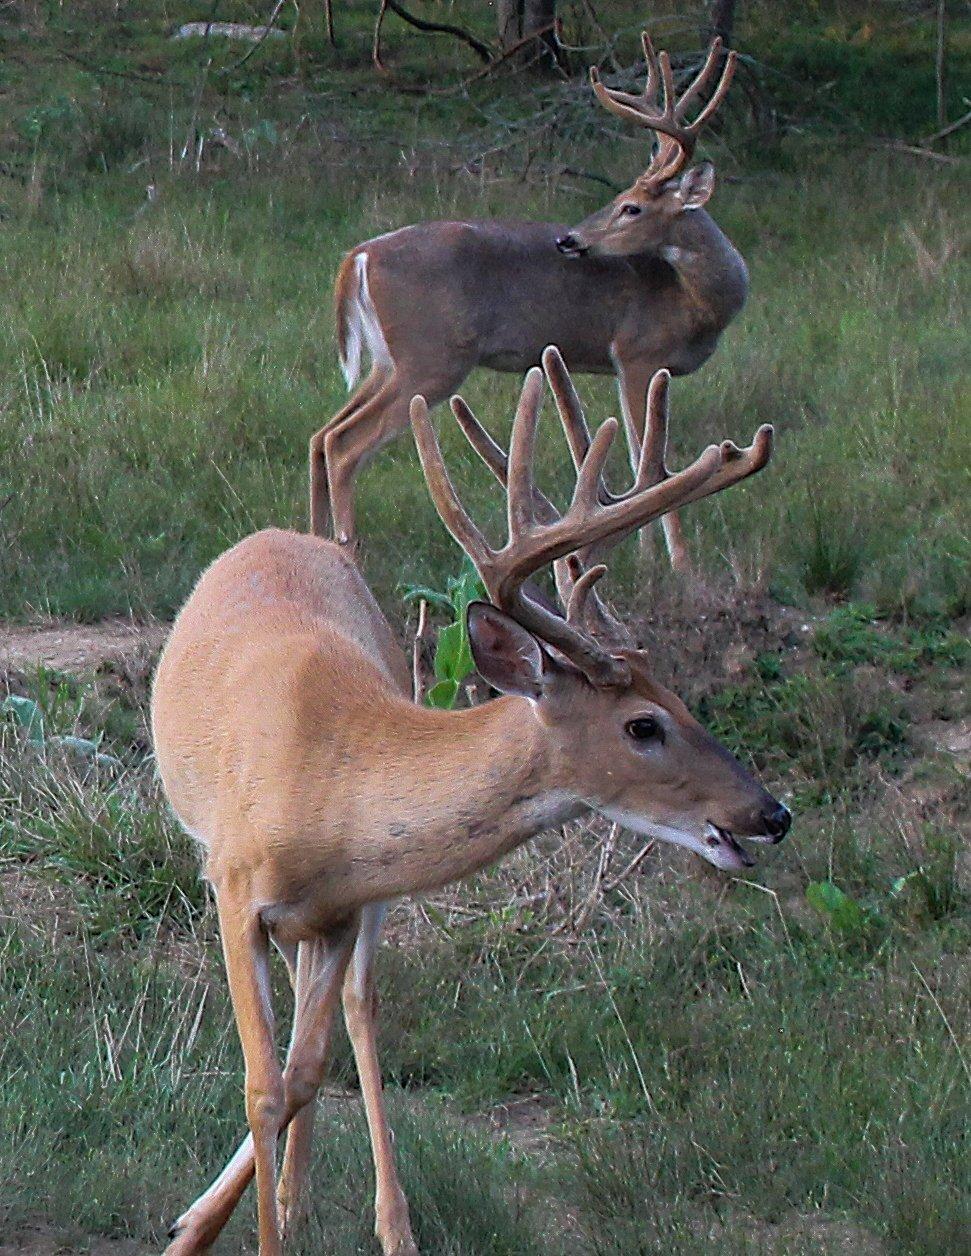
column 86, row 747
column 844, row 912
column 443, row 694
column 28, row 715
column 448, row 652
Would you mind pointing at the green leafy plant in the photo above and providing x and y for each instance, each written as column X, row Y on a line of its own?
column 853, row 634
column 28, row 715
column 842, row 912
column 453, row 654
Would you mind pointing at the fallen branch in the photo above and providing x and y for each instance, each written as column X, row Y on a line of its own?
column 612, row 187
column 227, row 30
column 949, row 129
column 511, row 51
column 494, row 62
column 915, row 150
column 436, row 28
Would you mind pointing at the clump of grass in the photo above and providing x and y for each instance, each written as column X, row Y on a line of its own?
column 82, row 819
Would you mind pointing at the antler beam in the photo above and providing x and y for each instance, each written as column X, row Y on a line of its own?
column 539, row 535
column 678, row 138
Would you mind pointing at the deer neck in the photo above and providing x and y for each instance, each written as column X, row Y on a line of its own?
column 460, row 789
column 710, row 270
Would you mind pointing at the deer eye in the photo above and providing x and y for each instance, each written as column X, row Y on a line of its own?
column 645, row 728
column 631, row 210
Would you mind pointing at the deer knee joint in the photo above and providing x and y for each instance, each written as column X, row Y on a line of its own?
column 303, row 1082
column 265, row 1105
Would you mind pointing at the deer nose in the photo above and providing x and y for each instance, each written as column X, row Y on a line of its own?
column 570, row 245
column 777, row 821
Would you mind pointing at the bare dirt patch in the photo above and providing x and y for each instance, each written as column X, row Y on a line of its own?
column 69, row 647
column 40, row 1240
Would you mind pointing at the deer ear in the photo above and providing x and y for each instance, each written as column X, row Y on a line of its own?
column 507, row 656
column 696, row 186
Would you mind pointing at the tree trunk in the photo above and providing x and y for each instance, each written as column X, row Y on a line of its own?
column 723, row 19
column 520, row 18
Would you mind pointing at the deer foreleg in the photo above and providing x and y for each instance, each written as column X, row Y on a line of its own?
column 197, row 1229
column 633, row 379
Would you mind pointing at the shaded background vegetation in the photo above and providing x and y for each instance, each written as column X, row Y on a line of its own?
column 771, row 1065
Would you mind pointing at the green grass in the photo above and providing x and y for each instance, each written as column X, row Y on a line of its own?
column 721, row 1061
column 774, row 1065
column 167, row 363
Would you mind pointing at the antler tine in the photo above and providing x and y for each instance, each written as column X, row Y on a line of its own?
column 491, row 453
column 520, row 488
column 736, row 464
column 450, row 510
column 653, row 70
column 651, row 468
column 700, row 80
column 720, row 92
column 586, row 493
column 568, row 404
column 582, row 588
column 667, row 84
column 585, row 609
column 626, row 105
column 572, row 417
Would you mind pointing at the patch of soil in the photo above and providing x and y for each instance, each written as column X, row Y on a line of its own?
column 702, row 634
column 950, row 737
column 827, row 1235
column 69, row 647
column 40, row 1239
column 522, row 1120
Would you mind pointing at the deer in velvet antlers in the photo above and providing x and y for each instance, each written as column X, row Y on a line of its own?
column 320, row 792
column 648, row 282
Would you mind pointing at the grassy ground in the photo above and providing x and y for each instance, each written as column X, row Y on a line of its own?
column 772, row 1065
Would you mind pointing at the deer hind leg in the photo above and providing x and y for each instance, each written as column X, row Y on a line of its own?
column 392, row 1222
column 358, row 437
column 199, row 1226
column 291, row 1193
column 320, row 515
column 246, row 952
column 633, row 379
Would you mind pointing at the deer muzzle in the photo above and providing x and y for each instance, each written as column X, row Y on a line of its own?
column 570, row 245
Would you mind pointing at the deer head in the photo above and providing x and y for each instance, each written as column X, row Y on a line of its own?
column 618, row 739
column 641, row 218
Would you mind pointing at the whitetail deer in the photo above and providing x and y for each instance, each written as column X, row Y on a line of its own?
column 290, row 747
column 648, row 282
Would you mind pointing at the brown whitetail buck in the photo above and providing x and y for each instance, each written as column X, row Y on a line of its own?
column 290, row 747
column 648, row 282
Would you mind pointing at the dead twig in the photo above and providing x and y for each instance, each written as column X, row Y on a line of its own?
column 418, row 653
column 631, row 867
column 586, row 908
column 264, row 36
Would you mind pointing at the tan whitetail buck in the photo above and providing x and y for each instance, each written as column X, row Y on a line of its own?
column 290, row 747
column 648, row 282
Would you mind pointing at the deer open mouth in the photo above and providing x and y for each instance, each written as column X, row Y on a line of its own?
column 570, row 246
column 725, row 850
